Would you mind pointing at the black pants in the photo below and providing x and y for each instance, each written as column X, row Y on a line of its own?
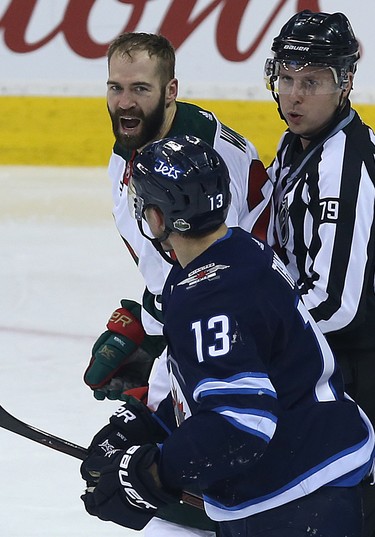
column 369, row 509
column 359, row 378
column 328, row 512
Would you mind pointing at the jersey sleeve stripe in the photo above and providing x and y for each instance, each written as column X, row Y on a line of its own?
column 247, row 384
column 250, row 420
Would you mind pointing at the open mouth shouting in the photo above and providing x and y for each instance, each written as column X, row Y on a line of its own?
column 129, row 124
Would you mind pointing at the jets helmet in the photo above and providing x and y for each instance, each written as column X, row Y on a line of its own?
column 187, row 179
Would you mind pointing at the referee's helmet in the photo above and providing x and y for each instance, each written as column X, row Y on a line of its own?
column 315, row 39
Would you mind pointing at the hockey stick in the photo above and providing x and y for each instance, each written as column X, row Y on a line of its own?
column 13, row 424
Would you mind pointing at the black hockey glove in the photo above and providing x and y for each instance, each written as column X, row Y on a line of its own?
column 123, row 355
column 132, row 423
column 128, row 491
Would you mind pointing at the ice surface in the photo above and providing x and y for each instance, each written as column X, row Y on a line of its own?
column 63, row 269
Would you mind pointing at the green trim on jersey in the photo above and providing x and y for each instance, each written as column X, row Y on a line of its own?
column 193, row 120
column 148, row 304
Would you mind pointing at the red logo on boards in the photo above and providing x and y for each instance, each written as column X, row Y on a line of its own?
column 75, row 25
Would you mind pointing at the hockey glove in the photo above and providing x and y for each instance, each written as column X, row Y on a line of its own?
column 138, row 423
column 128, row 491
column 132, row 423
column 123, row 355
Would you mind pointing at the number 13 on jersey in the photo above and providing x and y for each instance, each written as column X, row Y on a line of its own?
column 219, row 327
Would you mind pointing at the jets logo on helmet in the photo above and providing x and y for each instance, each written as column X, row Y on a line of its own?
column 168, row 171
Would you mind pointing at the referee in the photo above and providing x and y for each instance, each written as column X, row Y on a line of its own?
column 324, row 188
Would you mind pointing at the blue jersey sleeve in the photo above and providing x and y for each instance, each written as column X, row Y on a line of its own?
column 206, row 449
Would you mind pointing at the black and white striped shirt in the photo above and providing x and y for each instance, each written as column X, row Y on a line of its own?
column 325, row 200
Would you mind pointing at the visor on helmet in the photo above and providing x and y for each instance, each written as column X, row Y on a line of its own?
column 306, row 78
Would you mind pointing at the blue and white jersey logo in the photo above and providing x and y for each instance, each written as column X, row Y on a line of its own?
column 167, row 170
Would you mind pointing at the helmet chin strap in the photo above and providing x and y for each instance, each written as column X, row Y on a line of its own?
column 277, row 100
column 156, row 242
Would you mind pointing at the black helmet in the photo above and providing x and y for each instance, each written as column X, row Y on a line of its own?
column 187, row 179
column 319, row 39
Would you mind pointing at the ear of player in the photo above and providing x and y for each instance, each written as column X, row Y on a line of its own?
column 123, row 355
column 121, row 475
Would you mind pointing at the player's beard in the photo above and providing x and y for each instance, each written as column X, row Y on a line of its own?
column 151, row 125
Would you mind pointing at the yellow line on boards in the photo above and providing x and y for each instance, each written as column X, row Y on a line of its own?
column 76, row 131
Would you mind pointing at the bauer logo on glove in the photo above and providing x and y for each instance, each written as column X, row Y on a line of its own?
column 134, row 498
column 119, row 316
column 127, row 490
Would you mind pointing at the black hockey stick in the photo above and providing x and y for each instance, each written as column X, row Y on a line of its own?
column 13, row 424
column 9, row 422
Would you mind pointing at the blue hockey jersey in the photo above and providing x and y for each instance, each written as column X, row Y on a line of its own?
column 261, row 417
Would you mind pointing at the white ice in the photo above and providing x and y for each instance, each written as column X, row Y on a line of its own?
column 63, row 270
